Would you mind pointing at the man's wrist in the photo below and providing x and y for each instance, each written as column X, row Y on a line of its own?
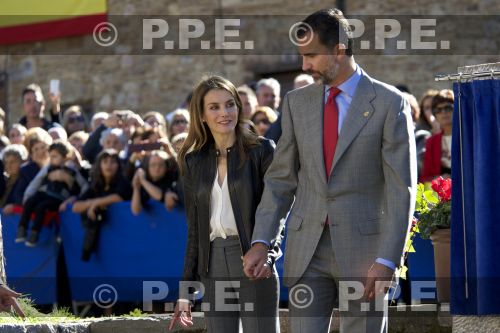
column 260, row 241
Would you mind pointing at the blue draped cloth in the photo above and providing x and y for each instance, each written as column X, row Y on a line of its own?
column 475, row 226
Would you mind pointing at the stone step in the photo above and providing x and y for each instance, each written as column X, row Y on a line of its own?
column 402, row 319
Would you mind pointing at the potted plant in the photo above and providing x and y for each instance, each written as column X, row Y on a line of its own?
column 433, row 214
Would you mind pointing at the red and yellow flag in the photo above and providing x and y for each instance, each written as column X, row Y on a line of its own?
column 24, row 21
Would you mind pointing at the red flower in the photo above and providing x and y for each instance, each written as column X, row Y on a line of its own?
column 443, row 188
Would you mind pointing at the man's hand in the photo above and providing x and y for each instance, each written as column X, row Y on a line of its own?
column 255, row 261
column 8, row 300
column 55, row 101
column 377, row 281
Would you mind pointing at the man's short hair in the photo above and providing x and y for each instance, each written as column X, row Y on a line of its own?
column 270, row 82
column 34, row 88
column 331, row 27
column 62, row 147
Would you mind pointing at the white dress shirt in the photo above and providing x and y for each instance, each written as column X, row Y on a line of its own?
column 222, row 222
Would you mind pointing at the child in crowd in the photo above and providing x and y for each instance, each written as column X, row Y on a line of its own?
column 108, row 186
column 158, row 177
column 53, row 185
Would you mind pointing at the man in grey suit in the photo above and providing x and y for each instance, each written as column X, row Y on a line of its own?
column 346, row 161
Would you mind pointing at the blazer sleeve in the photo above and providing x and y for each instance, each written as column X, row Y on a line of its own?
column 280, row 182
column 399, row 163
column 191, row 256
column 274, row 252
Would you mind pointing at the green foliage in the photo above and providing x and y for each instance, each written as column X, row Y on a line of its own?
column 34, row 316
column 432, row 213
column 135, row 313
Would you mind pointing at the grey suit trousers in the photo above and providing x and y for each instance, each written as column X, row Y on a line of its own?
column 315, row 295
column 232, row 303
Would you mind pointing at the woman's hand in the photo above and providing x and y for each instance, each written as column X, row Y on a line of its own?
column 171, row 199
column 136, row 181
column 182, row 314
column 141, row 174
column 93, row 205
column 167, row 146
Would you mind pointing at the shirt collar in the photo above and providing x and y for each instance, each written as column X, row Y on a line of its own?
column 349, row 86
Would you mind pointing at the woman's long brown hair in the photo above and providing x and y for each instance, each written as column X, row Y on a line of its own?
column 199, row 133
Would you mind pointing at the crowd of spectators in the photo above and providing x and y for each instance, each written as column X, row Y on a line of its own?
column 50, row 159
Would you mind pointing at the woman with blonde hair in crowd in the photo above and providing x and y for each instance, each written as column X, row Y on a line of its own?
column 37, row 142
column 73, row 119
column 178, row 122
column 17, row 134
column 263, row 118
column 223, row 165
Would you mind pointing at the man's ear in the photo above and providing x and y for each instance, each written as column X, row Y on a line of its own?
column 340, row 49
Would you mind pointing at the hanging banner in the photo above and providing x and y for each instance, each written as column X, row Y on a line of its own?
column 34, row 20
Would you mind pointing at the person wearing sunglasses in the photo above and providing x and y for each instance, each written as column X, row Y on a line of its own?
column 179, row 122
column 73, row 120
column 437, row 158
column 262, row 118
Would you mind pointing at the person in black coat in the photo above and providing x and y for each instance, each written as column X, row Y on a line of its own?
column 222, row 166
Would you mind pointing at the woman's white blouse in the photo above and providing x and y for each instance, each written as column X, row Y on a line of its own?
column 222, row 222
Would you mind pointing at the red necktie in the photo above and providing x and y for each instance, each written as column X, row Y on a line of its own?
column 330, row 129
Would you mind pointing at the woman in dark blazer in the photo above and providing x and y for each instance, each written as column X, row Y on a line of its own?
column 222, row 166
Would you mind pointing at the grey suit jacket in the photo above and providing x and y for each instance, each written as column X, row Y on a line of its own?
column 370, row 194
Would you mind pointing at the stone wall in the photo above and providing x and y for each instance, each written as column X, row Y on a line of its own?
column 161, row 82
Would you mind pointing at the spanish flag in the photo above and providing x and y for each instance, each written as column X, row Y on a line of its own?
column 23, row 21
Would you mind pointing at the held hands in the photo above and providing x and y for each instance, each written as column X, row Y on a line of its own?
column 255, row 263
column 182, row 314
column 377, row 281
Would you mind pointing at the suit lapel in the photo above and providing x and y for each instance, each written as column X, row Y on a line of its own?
column 314, row 123
column 358, row 114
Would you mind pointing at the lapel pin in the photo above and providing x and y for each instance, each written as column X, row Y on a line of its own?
column 366, row 114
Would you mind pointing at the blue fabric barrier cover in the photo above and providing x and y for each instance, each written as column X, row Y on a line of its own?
column 30, row 271
column 131, row 250
column 138, row 257
column 475, row 256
